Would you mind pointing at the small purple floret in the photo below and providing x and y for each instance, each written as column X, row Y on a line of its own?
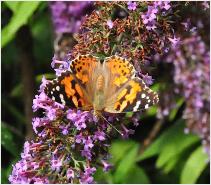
column 132, row 5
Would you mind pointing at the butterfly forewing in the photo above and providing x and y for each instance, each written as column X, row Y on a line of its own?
column 120, row 69
column 83, row 67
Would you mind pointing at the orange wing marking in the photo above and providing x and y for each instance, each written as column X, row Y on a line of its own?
column 129, row 98
column 68, row 86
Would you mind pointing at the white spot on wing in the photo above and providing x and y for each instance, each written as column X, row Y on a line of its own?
column 63, row 102
column 61, row 96
column 137, row 106
column 62, row 99
column 146, row 106
column 57, row 88
column 143, row 95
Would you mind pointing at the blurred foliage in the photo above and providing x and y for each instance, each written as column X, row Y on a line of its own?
column 173, row 157
column 10, row 142
column 14, row 15
column 171, row 151
column 21, row 14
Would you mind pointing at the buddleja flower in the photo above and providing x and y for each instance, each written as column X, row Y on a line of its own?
column 190, row 57
column 67, row 16
column 192, row 71
column 110, row 24
column 153, row 11
column 205, row 5
column 131, row 5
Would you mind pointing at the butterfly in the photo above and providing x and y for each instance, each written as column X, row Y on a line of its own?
column 110, row 86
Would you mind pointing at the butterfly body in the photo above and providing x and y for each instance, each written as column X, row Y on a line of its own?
column 109, row 86
column 99, row 96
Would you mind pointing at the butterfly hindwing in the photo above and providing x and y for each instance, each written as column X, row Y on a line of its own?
column 132, row 97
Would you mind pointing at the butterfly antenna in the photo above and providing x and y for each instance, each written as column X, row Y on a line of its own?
column 111, row 125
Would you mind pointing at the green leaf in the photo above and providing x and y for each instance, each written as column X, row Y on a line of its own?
column 17, row 91
column 102, row 177
column 176, row 143
column 5, row 174
column 7, row 140
column 119, row 149
column 172, row 136
column 129, row 114
column 155, row 147
column 20, row 17
column 171, row 163
column 175, row 110
column 136, row 176
column 120, row 157
column 126, row 164
column 150, row 112
column 47, row 76
column 194, row 166
column 155, row 87
column 12, row 5
column 42, row 37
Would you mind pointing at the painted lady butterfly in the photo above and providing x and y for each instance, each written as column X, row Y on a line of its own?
column 109, row 86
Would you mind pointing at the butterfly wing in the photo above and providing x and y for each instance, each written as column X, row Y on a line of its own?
column 68, row 91
column 120, row 69
column 86, row 69
column 126, row 92
column 132, row 97
column 83, row 67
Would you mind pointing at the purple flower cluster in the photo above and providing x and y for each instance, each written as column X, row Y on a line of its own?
column 67, row 16
column 193, row 72
column 71, row 143
column 86, row 177
column 24, row 171
column 158, row 8
column 191, row 75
